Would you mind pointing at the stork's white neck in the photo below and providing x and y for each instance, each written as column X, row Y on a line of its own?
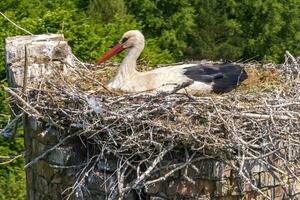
column 128, row 66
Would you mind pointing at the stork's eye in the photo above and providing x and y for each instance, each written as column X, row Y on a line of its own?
column 124, row 40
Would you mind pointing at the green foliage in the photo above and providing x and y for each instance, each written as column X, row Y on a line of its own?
column 171, row 22
column 267, row 28
column 12, row 175
column 216, row 35
column 154, row 55
column 216, row 29
column 175, row 30
column 106, row 10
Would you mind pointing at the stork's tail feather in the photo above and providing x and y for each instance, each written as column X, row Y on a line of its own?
column 233, row 76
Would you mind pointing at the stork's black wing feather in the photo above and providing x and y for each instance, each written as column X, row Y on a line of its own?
column 224, row 77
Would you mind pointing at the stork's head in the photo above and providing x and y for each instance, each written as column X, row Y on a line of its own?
column 130, row 39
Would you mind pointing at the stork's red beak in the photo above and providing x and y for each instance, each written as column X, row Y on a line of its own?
column 114, row 51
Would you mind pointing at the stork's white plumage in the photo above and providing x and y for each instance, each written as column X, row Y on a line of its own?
column 206, row 78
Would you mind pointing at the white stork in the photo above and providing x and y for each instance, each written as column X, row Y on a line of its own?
column 216, row 78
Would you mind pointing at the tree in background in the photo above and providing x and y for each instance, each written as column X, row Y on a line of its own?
column 215, row 36
column 171, row 22
column 268, row 27
column 175, row 30
column 215, row 29
column 105, row 11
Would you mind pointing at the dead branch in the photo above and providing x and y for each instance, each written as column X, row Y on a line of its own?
column 11, row 158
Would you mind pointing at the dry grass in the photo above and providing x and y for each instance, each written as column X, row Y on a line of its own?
column 261, row 78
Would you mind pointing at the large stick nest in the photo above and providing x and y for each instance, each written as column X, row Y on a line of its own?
column 258, row 122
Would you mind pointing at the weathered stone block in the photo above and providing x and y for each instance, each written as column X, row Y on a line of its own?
column 49, row 136
column 43, row 169
column 222, row 188
column 157, row 198
column 265, row 179
column 40, row 51
column 108, row 164
column 97, row 181
column 42, row 185
column 209, row 169
column 56, row 191
column 38, row 148
column 57, row 179
column 62, row 156
column 231, row 198
column 14, row 46
column 154, row 188
column 184, row 188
